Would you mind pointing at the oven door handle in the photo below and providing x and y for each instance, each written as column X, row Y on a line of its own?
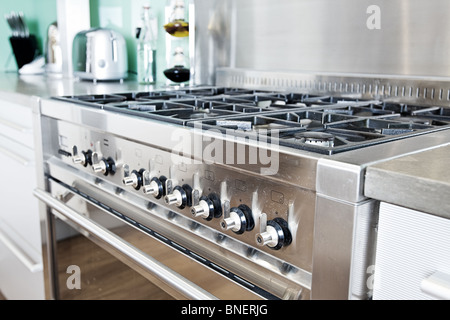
column 159, row 271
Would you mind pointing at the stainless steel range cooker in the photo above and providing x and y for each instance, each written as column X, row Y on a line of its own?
column 219, row 192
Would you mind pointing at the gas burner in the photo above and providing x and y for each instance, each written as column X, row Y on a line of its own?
column 380, row 126
column 326, row 141
column 322, row 139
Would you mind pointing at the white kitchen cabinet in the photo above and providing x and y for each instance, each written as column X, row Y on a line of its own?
column 21, row 272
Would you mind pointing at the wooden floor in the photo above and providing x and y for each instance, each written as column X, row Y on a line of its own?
column 116, row 281
column 101, row 285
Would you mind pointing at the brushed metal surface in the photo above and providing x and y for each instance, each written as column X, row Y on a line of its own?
column 391, row 88
column 273, row 196
column 407, row 37
column 419, row 181
column 214, row 30
column 343, row 249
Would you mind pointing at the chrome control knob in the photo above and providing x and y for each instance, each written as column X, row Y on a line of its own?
column 79, row 159
column 99, row 167
column 175, row 198
column 276, row 235
column 84, row 158
column 180, row 197
column 156, row 187
column 134, row 179
column 209, row 207
column 152, row 189
column 240, row 220
column 131, row 180
column 203, row 208
column 105, row 166
column 269, row 237
column 233, row 222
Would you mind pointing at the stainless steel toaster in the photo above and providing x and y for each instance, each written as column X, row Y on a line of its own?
column 99, row 54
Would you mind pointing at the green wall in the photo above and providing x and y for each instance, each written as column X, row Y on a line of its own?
column 38, row 15
column 123, row 16
column 120, row 15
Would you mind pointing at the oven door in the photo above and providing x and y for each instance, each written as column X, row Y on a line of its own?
column 95, row 252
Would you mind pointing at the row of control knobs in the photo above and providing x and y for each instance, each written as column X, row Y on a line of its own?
column 102, row 165
column 273, row 233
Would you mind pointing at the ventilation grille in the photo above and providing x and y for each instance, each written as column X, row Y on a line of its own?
column 412, row 90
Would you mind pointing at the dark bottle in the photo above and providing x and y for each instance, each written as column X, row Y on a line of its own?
column 179, row 73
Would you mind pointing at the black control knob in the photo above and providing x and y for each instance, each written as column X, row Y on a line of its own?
column 209, row 207
column 240, row 220
column 180, row 197
column 156, row 187
column 105, row 166
column 135, row 179
column 276, row 236
column 88, row 157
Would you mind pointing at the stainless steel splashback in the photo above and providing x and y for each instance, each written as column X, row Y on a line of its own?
column 407, row 38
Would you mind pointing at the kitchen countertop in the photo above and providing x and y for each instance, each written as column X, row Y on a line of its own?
column 46, row 86
column 419, row 181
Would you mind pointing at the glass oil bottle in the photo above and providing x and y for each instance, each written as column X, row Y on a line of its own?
column 146, row 35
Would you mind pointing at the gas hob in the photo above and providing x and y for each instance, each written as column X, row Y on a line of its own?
column 320, row 124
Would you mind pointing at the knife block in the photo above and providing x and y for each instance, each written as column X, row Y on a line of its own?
column 25, row 49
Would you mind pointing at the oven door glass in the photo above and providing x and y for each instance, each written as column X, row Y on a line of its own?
column 86, row 271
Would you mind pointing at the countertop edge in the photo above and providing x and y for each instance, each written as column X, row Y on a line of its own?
column 408, row 190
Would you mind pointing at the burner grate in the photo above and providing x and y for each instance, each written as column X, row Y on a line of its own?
column 323, row 124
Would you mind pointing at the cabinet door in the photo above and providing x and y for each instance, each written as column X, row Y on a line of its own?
column 19, row 215
column 19, row 280
column 16, row 122
column 21, row 275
